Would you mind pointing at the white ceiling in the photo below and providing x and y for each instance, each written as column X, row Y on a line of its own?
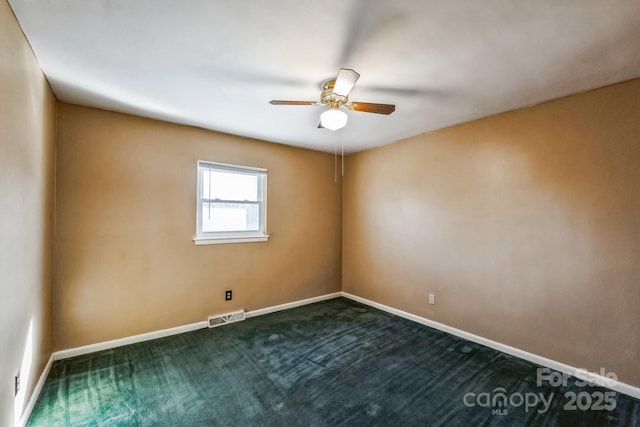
column 216, row 64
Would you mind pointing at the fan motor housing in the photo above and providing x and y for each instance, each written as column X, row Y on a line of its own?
column 328, row 97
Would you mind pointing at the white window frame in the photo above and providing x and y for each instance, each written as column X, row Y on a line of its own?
column 218, row 237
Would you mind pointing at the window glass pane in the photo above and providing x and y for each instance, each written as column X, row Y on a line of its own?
column 229, row 185
column 231, row 201
column 230, row 217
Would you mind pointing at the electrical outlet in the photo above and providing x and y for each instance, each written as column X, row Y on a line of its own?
column 432, row 299
column 228, row 295
column 17, row 383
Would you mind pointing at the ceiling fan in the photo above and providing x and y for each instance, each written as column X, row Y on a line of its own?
column 335, row 94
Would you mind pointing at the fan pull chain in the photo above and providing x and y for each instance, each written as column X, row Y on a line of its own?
column 335, row 161
column 342, row 154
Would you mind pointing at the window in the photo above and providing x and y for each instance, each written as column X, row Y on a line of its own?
column 231, row 204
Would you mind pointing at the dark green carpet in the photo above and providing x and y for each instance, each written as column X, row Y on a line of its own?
column 334, row 363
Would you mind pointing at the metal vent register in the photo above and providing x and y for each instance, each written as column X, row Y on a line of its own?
column 223, row 319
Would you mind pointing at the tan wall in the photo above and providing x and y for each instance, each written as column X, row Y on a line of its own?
column 27, row 144
column 125, row 260
column 525, row 225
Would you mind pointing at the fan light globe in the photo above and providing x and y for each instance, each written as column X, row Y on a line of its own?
column 333, row 119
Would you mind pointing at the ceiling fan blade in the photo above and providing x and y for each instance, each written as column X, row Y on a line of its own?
column 368, row 107
column 279, row 102
column 345, row 81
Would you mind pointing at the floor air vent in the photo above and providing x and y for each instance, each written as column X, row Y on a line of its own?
column 223, row 319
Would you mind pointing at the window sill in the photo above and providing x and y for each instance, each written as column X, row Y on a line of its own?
column 230, row 239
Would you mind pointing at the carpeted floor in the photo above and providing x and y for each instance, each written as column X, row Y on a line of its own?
column 334, row 363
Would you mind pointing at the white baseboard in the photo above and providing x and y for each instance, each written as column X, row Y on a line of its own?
column 36, row 393
column 105, row 345
column 267, row 310
column 539, row 360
